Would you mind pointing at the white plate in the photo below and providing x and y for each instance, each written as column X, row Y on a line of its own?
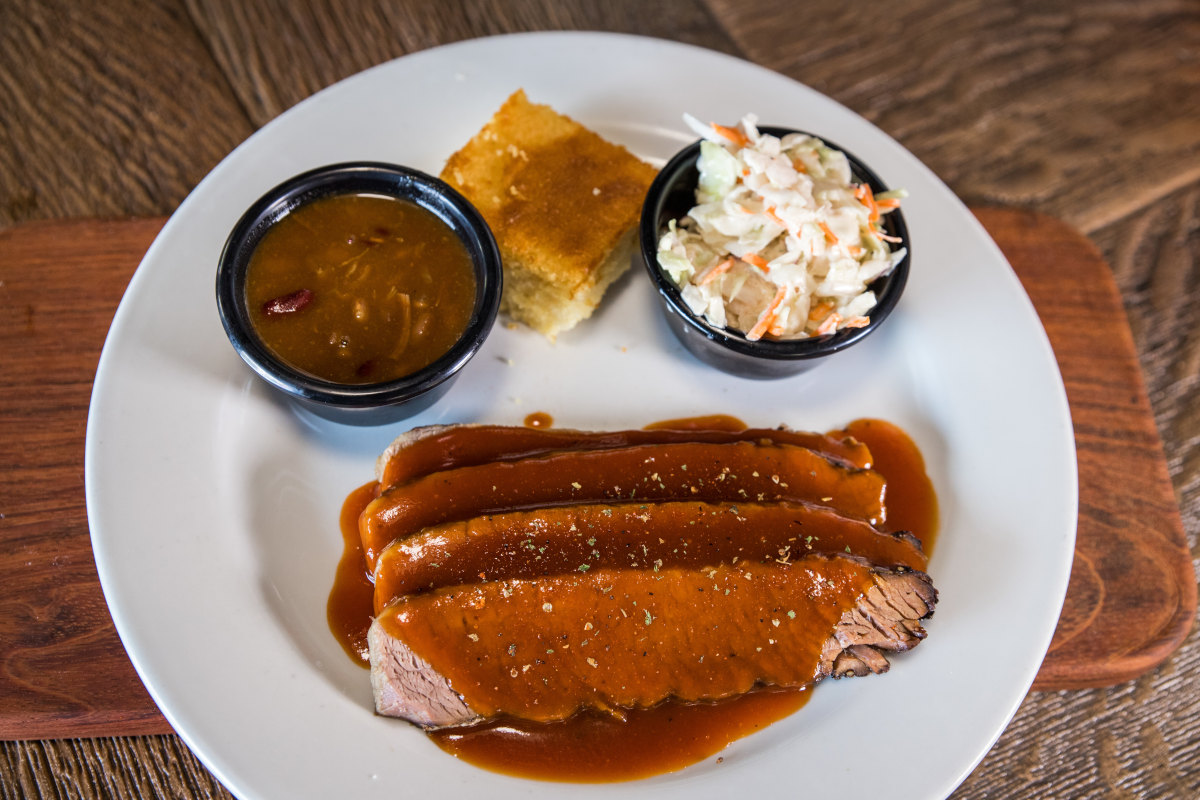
column 213, row 506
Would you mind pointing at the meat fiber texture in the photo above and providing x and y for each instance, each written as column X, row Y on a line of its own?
column 541, row 638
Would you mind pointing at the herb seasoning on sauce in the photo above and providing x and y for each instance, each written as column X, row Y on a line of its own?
column 360, row 289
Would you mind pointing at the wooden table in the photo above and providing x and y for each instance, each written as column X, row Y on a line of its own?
column 1086, row 112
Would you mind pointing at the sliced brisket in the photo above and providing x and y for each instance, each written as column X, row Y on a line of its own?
column 738, row 472
column 434, row 448
column 549, row 541
column 620, row 638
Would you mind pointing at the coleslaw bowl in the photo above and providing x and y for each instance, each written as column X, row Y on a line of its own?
column 670, row 197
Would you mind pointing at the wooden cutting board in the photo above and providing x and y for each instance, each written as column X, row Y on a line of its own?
column 64, row 673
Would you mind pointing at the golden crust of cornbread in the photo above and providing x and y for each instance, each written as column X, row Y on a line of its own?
column 563, row 204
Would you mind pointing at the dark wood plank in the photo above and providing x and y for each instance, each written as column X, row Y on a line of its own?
column 109, row 109
column 108, row 768
column 1083, row 110
column 1132, row 596
column 328, row 40
column 59, row 670
column 1139, row 738
column 1155, row 255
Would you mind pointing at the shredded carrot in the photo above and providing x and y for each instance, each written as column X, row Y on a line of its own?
column 716, row 272
column 745, row 172
column 829, row 235
column 856, row 322
column 867, row 198
column 799, row 165
column 829, row 325
column 732, row 134
column 890, row 202
column 756, row 260
column 770, row 212
column 767, row 318
column 886, row 238
column 819, row 310
column 854, row 250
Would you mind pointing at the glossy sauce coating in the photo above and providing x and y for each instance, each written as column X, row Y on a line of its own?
column 596, row 747
column 349, row 608
column 738, row 472
column 650, row 536
column 629, row 638
column 589, row 747
column 471, row 445
column 911, row 501
column 360, row 288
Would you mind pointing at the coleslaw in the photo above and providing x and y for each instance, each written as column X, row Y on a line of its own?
column 782, row 242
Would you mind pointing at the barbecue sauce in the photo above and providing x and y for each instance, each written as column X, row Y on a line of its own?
column 471, row 445
column 593, row 747
column 351, row 604
column 545, row 542
column 597, row 747
column 911, row 501
column 539, row 419
column 628, row 638
column 734, row 472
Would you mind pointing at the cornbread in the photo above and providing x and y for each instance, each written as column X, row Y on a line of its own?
column 563, row 204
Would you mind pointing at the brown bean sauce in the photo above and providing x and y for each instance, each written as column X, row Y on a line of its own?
column 596, row 747
column 360, row 288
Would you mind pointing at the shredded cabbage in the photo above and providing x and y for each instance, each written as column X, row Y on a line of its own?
column 782, row 242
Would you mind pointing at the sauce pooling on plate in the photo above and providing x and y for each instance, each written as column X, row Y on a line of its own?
column 598, row 747
column 360, row 289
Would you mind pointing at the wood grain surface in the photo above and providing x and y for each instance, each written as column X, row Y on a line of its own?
column 59, row 671
column 1082, row 110
column 1132, row 594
